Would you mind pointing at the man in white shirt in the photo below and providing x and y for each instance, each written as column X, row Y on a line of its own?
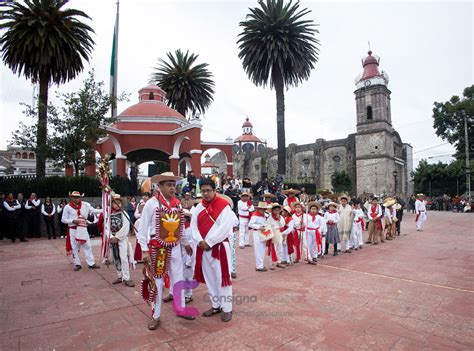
column 420, row 210
column 155, row 253
column 245, row 207
column 212, row 224
column 75, row 216
column 33, row 208
column 258, row 223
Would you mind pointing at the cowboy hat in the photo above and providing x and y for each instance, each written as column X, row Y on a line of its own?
column 314, row 203
column 187, row 213
column 244, row 194
column 332, row 204
column 294, row 204
column 287, row 209
column 268, row 195
column 166, row 176
column 263, row 205
column 76, row 194
column 397, row 206
column 290, row 191
column 420, row 195
column 117, row 199
column 389, row 201
column 275, row 205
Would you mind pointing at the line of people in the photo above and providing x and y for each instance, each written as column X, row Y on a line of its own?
column 20, row 217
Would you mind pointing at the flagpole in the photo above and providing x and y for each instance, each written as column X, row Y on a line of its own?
column 114, row 64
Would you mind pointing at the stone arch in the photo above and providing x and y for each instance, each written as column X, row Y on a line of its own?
column 177, row 144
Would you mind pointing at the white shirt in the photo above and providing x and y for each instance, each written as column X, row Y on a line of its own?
column 43, row 210
column 220, row 230
column 378, row 212
column 285, row 201
column 298, row 221
column 36, row 203
column 317, row 223
column 137, row 212
column 14, row 208
column 420, row 206
column 334, row 217
column 244, row 209
column 290, row 227
column 358, row 214
column 258, row 221
column 388, row 214
column 70, row 214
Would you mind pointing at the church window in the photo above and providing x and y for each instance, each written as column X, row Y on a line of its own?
column 31, row 156
column 18, row 155
column 369, row 113
column 151, row 96
column 24, row 156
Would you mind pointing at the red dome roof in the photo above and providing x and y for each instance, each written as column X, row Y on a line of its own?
column 371, row 67
column 247, row 138
column 149, row 108
column 247, row 124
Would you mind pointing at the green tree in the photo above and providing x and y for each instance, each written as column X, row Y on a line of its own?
column 440, row 178
column 47, row 44
column 189, row 87
column 75, row 127
column 449, row 120
column 278, row 47
column 341, row 183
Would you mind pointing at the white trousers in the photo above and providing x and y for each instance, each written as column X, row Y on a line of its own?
column 221, row 297
column 189, row 262
column 176, row 275
column 354, row 241
column 304, row 246
column 421, row 220
column 284, row 253
column 258, row 250
column 232, row 243
column 311, row 246
column 323, row 245
column 87, row 247
column 123, row 251
column 243, row 231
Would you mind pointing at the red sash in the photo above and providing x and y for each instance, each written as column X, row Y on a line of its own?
column 205, row 221
column 289, row 238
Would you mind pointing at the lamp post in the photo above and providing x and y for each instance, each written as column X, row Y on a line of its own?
column 395, row 174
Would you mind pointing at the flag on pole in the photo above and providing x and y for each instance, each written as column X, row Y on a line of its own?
column 114, row 64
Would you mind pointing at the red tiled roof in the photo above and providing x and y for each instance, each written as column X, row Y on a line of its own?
column 247, row 138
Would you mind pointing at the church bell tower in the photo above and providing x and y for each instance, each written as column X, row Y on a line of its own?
column 375, row 136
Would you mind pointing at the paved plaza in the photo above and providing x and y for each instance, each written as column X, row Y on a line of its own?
column 413, row 293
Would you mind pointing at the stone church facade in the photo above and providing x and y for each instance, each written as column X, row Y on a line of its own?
column 375, row 158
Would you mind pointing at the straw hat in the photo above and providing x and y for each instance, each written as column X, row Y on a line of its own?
column 244, row 194
column 332, row 204
column 348, row 198
column 274, row 205
column 76, row 194
column 420, row 195
column 314, row 203
column 263, row 205
column 158, row 178
column 290, row 191
column 397, row 206
column 269, row 195
column 294, row 204
column 117, row 199
column 287, row 209
column 389, row 201
column 187, row 213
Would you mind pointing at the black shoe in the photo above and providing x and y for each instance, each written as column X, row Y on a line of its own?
column 188, row 318
column 94, row 266
column 24, row 240
column 76, row 268
column 233, row 275
column 335, row 253
column 13, row 240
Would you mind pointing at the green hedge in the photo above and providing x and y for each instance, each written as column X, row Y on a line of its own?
column 61, row 186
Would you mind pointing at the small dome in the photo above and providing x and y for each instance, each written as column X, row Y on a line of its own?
column 247, row 124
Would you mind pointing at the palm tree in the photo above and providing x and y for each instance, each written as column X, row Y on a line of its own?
column 278, row 47
column 46, row 44
column 188, row 88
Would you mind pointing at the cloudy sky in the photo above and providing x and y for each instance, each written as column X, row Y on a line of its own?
column 425, row 47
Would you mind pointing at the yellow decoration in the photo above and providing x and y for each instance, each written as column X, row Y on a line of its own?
column 171, row 224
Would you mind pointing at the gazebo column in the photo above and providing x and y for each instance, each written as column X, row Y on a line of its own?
column 196, row 162
column 174, row 164
column 121, row 167
column 230, row 169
